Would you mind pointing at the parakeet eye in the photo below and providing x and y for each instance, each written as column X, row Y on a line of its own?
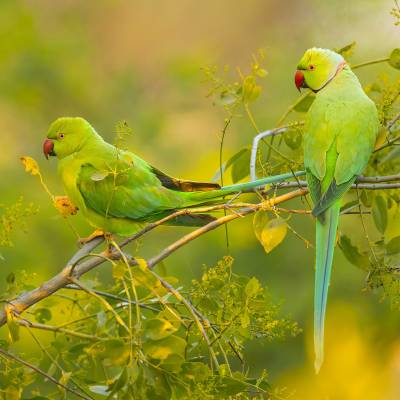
column 61, row 136
column 311, row 67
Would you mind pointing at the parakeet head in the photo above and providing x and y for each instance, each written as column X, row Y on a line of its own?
column 67, row 136
column 317, row 68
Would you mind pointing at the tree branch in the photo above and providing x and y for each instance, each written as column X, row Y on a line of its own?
column 78, row 266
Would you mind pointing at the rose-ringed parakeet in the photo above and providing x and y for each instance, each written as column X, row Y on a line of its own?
column 117, row 191
column 339, row 137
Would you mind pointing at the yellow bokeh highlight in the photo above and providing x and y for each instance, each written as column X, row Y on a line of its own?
column 355, row 367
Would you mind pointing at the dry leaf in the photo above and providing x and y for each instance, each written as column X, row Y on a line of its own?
column 65, row 206
column 30, row 165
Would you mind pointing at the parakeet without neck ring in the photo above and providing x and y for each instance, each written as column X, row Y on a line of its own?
column 339, row 137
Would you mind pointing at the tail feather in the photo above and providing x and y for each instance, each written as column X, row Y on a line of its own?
column 202, row 197
column 325, row 243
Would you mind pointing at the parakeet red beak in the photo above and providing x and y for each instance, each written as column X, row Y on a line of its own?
column 48, row 148
column 299, row 80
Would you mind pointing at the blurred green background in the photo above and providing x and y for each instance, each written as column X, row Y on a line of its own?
column 141, row 61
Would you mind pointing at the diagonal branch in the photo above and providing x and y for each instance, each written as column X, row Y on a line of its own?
column 79, row 266
column 17, row 359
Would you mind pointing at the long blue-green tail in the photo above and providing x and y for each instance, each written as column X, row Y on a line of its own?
column 263, row 181
column 325, row 245
column 198, row 197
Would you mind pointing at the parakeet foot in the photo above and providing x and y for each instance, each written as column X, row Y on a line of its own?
column 94, row 235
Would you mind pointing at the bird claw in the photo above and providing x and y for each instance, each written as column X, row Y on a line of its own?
column 97, row 233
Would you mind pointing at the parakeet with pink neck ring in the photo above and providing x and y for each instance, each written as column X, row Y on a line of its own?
column 339, row 137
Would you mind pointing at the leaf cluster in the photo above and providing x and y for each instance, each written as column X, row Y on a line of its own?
column 144, row 343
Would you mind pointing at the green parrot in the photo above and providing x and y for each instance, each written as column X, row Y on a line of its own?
column 117, row 191
column 339, row 137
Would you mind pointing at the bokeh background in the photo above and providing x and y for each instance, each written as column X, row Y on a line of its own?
column 141, row 61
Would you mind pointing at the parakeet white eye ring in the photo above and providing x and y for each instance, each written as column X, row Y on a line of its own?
column 61, row 136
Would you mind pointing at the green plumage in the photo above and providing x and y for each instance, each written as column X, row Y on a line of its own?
column 117, row 191
column 340, row 134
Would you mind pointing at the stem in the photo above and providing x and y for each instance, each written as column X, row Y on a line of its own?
column 56, row 329
column 371, row 62
column 13, row 357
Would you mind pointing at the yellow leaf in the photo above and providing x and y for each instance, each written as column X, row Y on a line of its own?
column 13, row 327
column 65, row 377
column 30, row 165
column 64, row 206
column 142, row 264
column 273, row 234
column 381, row 137
column 259, row 221
column 270, row 232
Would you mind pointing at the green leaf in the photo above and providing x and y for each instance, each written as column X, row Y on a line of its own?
column 349, row 205
column 158, row 328
column 42, row 315
column 118, row 383
column 231, row 386
column 367, row 197
column 35, row 398
column 394, row 59
column 10, row 278
column 78, row 348
column 393, row 247
column 347, row 51
column 305, row 103
column 118, row 270
column 235, row 157
column 173, row 363
column 240, row 167
column 13, row 327
column 252, row 287
column 115, row 351
column 195, row 371
column 245, row 319
column 293, row 138
column 379, row 213
column 171, row 317
column 250, row 89
column 162, row 349
column 261, row 72
column 352, row 254
column 227, row 98
column 260, row 219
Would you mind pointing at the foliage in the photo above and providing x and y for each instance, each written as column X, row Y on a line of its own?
column 396, row 13
column 153, row 349
column 14, row 217
column 145, row 336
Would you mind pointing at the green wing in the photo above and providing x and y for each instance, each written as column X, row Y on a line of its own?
column 338, row 143
column 137, row 190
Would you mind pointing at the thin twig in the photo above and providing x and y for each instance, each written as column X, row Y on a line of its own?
column 13, row 357
column 30, row 324
column 371, row 62
column 114, row 297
